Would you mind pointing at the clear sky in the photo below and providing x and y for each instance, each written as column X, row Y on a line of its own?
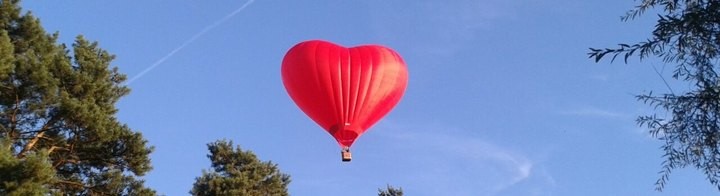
column 502, row 99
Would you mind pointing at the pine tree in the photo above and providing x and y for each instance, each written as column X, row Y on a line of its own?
column 238, row 172
column 28, row 176
column 57, row 116
column 390, row 191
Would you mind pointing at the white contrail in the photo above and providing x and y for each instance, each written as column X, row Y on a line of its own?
column 192, row 39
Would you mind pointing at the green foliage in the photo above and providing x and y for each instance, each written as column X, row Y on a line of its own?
column 687, row 34
column 58, row 106
column 390, row 191
column 30, row 175
column 238, row 172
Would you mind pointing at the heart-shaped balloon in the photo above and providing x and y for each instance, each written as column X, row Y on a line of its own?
column 344, row 90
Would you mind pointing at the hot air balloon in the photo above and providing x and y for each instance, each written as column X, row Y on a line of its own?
column 344, row 90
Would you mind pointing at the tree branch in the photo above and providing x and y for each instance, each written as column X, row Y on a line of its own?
column 41, row 133
column 60, row 162
column 30, row 144
column 72, row 183
column 50, row 151
column 13, row 117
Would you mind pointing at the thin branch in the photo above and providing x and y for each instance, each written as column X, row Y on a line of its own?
column 73, row 161
column 50, row 151
column 40, row 130
column 72, row 183
column 663, row 79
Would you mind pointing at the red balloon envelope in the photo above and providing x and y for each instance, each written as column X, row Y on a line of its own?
column 344, row 90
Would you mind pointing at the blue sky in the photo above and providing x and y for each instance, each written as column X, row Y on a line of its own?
column 502, row 99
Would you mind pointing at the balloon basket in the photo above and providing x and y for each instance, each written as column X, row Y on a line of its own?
column 346, row 155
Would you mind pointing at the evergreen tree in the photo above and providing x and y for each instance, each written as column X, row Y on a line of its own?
column 390, row 191
column 28, row 176
column 57, row 116
column 687, row 34
column 238, row 172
